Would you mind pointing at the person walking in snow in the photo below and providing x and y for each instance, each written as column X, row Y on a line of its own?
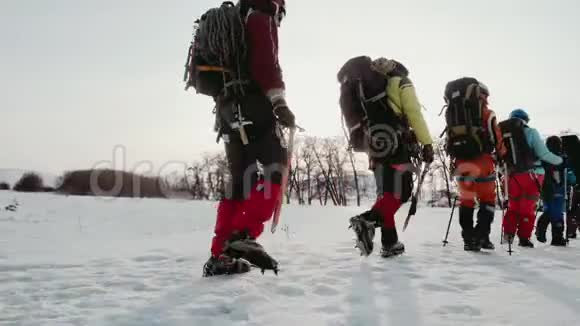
column 526, row 152
column 234, row 59
column 384, row 118
column 571, row 148
column 474, row 142
column 558, row 180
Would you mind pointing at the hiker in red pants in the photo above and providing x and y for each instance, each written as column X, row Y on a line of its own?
column 526, row 151
column 234, row 59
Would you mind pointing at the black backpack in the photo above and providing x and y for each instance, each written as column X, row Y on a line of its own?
column 466, row 133
column 520, row 156
column 571, row 147
column 373, row 127
column 210, row 67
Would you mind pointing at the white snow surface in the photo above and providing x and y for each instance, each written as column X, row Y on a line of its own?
column 93, row 261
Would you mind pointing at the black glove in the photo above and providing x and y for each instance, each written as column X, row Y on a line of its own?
column 428, row 154
column 283, row 114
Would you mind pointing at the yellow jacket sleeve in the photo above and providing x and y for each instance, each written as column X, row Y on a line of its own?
column 404, row 101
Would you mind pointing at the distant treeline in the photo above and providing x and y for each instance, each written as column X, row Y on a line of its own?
column 323, row 172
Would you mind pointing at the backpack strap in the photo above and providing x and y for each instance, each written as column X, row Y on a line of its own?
column 362, row 98
column 377, row 97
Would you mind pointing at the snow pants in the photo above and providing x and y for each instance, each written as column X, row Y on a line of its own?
column 249, row 200
column 524, row 193
column 476, row 180
column 555, row 207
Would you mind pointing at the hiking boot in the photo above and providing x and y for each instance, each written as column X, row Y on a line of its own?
column 390, row 241
column 526, row 243
column 471, row 245
column 559, row 242
column 558, row 239
column 543, row 223
column 393, row 250
column 541, row 237
column 225, row 265
column 364, row 229
column 487, row 244
column 482, row 229
column 248, row 249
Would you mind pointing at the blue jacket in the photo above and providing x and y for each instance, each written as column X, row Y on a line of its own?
column 542, row 152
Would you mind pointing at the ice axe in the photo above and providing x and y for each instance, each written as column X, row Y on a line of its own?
column 415, row 198
column 285, row 176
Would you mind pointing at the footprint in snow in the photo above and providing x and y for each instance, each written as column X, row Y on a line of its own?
column 105, row 262
column 313, row 262
column 564, row 266
column 16, row 279
column 464, row 286
column 29, row 267
column 211, row 310
column 432, row 287
column 329, row 309
column 347, row 249
column 459, row 310
column 290, row 291
column 341, row 273
column 150, row 258
column 326, row 291
column 323, row 280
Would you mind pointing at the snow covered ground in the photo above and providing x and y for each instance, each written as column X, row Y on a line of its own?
column 89, row 261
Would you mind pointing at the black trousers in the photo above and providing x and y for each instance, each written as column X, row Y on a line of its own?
column 267, row 150
column 396, row 179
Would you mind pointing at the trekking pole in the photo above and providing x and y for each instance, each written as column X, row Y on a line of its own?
column 506, row 194
column 415, row 198
column 501, row 201
column 284, row 185
column 445, row 242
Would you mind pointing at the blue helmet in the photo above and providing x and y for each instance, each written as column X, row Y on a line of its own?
column 520, row 114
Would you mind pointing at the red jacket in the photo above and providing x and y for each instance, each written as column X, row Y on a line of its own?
column 263, row 53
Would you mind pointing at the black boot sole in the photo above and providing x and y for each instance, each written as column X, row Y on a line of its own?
column 363, row 243
column 240, row 266
column 488, row 248
column 254, row 254
column 392, row 253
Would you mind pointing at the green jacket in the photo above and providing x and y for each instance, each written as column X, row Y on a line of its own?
column 403, row 99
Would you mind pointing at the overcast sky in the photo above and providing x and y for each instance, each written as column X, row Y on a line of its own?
column 79, row 77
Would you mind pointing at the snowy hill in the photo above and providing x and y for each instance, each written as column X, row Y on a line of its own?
column 90, row 261
column 11, row 176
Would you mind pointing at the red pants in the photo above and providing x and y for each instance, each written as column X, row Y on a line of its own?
column 248, row 215
column 524, row 193
column 388, row 205
column 395, row 183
